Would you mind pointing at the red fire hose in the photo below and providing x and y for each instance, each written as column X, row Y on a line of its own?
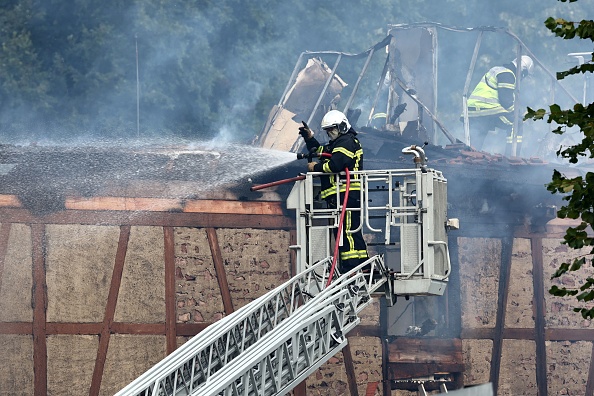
column 276, row 183
column 339, row 232
column 292, row 179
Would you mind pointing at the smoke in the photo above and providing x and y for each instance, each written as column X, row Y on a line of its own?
column 131, row 70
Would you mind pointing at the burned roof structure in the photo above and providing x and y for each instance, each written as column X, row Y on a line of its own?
column 393, row 93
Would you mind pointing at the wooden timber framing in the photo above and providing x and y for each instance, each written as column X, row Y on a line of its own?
column 112, row 299
column 502, row 295
column 258, row 215
column 350, row 369
column 421, row 357
column 4, row 235
column 170, row 219
column 217, row 258
column 590, row 383
column 134, row 204
column 539, row 313
column 39, row 310
column 170, row 306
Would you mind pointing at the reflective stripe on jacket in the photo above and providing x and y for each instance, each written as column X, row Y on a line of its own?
column 346, row 152
column 484, row 100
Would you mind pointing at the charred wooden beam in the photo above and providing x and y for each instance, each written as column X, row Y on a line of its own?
column 413, row 358
column 419, row 357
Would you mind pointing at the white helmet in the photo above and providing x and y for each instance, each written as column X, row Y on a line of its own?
column 526, row 66
column 335, row 118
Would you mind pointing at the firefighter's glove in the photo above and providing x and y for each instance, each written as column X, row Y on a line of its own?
column 310, row 166
column 305, row 132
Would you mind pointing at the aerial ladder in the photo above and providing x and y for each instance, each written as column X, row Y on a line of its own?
column 274, row 343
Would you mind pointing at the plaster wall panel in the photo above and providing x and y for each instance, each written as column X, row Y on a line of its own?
column 256, row 261
column 128, row 356
column 17, row 281
column 79, row 264
column 16, row 365
column 70, row 363
column 477, row 360
column 559, row 310
column 520, row 306
column 567, row 367
column 142, row 292
column 197, row 290
column 479, row 260
column 517, row 375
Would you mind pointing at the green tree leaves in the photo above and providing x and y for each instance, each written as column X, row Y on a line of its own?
column 578, row 191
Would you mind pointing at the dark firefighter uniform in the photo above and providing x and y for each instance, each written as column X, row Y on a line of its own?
column 346, row 152
column 491, row 104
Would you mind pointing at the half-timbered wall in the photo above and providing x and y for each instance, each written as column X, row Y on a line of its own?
column 89, row 299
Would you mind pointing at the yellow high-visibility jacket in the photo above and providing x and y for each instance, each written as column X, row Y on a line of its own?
column 485, row 99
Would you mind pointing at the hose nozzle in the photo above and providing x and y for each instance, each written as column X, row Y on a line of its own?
column 313, row 154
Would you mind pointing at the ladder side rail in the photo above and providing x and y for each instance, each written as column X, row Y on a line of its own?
column 206, row 341
column 344, row 301
column 183, row 353
column 311, row 340
column 346, row 298
column 372, row 279
column 254, row 356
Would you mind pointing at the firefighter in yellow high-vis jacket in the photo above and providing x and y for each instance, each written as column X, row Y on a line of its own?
column 491, row 103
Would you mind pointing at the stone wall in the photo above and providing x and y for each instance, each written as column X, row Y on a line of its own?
column 80, row 259
column 79, row 262
column 567, row 362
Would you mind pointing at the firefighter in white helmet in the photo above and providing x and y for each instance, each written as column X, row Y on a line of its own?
column 491, row 103
column 346, row 152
